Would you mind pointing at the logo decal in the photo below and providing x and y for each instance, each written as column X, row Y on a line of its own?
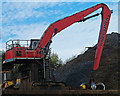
column 104, row 30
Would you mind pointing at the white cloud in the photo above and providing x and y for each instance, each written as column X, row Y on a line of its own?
column 2, row 46
column 113, row 27
column 25, row 31
column 74, row 39
column 23, row 10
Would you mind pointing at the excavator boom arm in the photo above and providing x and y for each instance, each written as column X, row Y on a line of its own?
column 59, row 25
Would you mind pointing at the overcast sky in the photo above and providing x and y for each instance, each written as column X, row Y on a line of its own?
column 29, row 20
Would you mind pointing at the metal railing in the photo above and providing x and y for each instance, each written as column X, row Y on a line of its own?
column 17, row 43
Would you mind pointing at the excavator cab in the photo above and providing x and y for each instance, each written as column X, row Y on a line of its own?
column 34, row 43
column 22, row 49
column 28, row 44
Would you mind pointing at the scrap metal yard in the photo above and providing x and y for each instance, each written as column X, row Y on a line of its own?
column 30, row 68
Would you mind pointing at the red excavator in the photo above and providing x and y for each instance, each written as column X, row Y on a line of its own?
column 32, row 54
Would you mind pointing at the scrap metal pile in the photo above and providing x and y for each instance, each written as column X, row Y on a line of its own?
column 80, row 68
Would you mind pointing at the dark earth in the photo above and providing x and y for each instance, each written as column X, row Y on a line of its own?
column 80, row 69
